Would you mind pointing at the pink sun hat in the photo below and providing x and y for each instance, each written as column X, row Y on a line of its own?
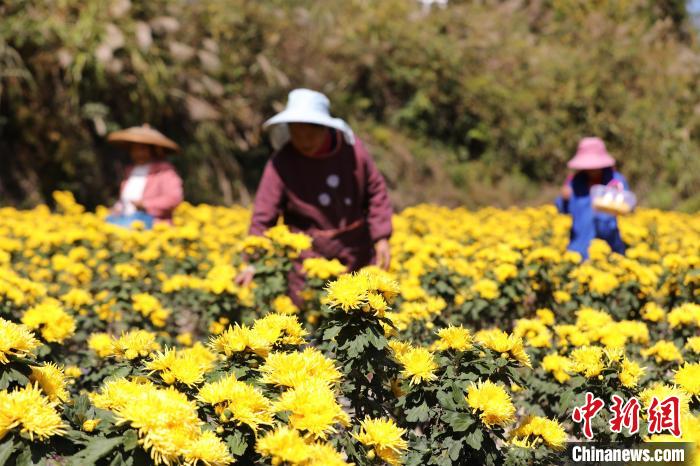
column 591, row 155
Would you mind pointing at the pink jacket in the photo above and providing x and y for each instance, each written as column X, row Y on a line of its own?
column 163, row 191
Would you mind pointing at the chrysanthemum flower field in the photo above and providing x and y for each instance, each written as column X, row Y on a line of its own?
column 123, row 347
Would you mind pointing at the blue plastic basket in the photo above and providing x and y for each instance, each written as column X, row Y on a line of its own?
column 127, row 220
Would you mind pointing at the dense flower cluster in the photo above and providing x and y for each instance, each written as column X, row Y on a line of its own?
column 494, row 331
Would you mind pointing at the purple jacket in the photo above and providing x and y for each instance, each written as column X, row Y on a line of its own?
column 333, row 192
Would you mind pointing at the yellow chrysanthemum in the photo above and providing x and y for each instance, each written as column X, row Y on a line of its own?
column 486, row 289
column 603, row 283
column 418, row 365
column 652, row 312
column 100, row 343
column 453, row 338
column 207, row 449
column 319, row 267
column 398, row 347
column 505, row 272
column 134, row 344
column 187, row 366
column 688, row 378
column 662, row 391
column 283, row 304
column 369, row 290
column 165, row 419
column 348, row 291
column 534, row 331
column 151, row 308
column 73, row 372
column 561, row 297
column 687, row 314
column 246, row 403
column 52, row 381
column 284, row 445
column 631, row 373
column 693, row 344
column 76, row 298
column 323, row 454
column 592, row 319
column 238, row 339
column 254, row 243
column 291, row 369
column 278, row 328
column 49, row 318
column 28, row 409
column 283, row 237
column 559, row 366
column 15, row 340
column 663, row 351
column 535, row 429
column 266, row 332
column 509, row 346
column 313, row 408
column 90, row 425
column 377, row 303
column 492, row 403
column 588, row 361
column 384, row 437
column 546, row 316
column 571, row 335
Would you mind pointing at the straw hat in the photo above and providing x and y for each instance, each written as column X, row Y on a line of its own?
column 305, row 106
column 143, row 135
column 591, row 155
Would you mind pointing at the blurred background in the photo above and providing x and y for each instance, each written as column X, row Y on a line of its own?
column 461, row 102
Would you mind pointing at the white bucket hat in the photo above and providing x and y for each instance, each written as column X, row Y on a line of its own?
column 305, row 106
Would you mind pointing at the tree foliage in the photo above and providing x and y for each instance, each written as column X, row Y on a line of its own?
column 476, row 93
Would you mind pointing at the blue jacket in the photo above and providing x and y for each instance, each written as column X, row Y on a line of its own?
column 587, row 223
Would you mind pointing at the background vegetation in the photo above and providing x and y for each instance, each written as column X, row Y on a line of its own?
column 478, row 103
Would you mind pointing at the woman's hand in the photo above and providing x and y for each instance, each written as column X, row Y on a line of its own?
column 383, row 253
column 245, row 277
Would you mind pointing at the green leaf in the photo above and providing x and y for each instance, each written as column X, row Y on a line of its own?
column 446, row 400
column 475, row 438
column 97, row 449
column 76, row 436
column 457, row 395
column 454, row 449
column 24, row 458
column 565, row 401
column 458, row 421
column 120, row 461
column 356, row 347
column 4, row 380
column 237, row 443
column 375, row 339
column 16, row 376
column 577, row 381
column 332, row 332
column 120, row 372
column 6, row 449
column 419, row 413
column 131, row 440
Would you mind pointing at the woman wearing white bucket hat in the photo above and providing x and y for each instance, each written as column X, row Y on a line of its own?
column 323, row 182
